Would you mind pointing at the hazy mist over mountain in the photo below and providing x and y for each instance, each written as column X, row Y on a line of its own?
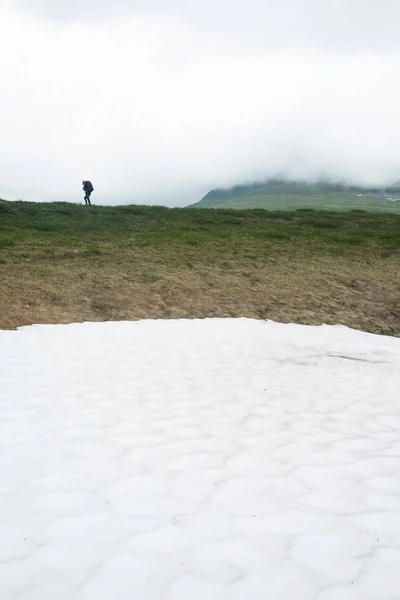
column 160, row 102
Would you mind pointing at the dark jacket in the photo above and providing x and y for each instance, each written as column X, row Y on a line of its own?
column 87, row 186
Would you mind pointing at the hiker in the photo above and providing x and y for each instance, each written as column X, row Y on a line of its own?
column 88, row 189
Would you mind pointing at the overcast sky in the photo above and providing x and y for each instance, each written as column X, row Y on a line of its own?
column 162, row 100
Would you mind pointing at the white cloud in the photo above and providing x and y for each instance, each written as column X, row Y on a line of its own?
column 162, row 104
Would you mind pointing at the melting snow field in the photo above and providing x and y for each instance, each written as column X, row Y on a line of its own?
column 199, row 460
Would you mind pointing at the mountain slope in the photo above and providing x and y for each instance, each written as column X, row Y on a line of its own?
column 278, row 194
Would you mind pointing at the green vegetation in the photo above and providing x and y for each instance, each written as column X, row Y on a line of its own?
column 60, row 225
column 61, row 262
column 277, row 194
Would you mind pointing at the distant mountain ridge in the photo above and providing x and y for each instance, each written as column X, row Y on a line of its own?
column 275, row 194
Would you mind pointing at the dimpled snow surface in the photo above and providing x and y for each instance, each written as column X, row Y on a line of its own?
column 199, row 460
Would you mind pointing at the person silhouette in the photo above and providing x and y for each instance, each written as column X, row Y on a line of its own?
column 88, row 189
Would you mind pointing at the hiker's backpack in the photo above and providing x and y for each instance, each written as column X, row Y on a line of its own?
column 89, row 187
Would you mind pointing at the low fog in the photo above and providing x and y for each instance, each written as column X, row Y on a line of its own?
column 159, row 102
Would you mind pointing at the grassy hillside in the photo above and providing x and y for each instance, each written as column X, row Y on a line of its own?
column 291, row 195
column 62, row 262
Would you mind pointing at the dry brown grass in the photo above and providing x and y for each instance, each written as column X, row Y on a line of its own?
column 136, row 282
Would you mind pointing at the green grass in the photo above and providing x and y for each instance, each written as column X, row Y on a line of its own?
column 6, row 242
column 65, row 226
